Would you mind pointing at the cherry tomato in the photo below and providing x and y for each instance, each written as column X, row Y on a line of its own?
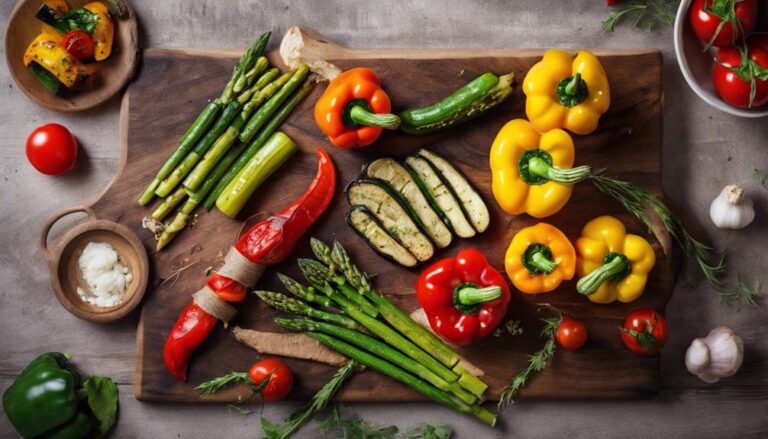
column 79, row 44
column 707, row 15
column 571, row 334
column 52, row 149
column 734, row 87
column 279, row 384
column 645, row 331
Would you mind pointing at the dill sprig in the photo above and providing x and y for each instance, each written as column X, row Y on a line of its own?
column 318, row 403
column 537, row 361
column 743, row 293
column 648, row 14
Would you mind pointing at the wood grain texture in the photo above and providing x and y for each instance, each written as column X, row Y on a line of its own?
column 628, row 142
column 113, row 73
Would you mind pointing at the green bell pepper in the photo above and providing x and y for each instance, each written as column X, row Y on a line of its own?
column 48, row 400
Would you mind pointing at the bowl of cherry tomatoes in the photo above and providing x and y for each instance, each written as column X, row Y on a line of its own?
column 722, row 49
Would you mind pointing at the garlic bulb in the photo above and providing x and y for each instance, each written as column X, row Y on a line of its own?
column 731, row 209
column 718, row 355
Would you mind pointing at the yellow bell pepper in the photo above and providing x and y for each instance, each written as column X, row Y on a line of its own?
column 104, row 31
column 531, row 172
column 539, row 259
column 47, row 51
column 566, row 92
column 614, row 264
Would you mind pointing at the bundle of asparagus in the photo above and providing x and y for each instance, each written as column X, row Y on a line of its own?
column 404, row 350
column 232, row 146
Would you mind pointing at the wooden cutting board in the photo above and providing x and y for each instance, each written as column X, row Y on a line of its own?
column 173, row 85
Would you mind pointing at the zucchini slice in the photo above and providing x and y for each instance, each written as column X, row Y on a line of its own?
column 440, row 193
column 388, row 208
column 365, row 224
column 401, row 181
column 473, row 205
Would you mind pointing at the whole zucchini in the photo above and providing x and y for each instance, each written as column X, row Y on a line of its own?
column 475, row 98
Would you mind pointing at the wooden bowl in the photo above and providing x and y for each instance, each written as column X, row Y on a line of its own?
column 65, row 273
column 113, row 74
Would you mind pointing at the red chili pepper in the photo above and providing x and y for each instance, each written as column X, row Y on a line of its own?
column 268, row 242
column 464, row 297
column 610, row 2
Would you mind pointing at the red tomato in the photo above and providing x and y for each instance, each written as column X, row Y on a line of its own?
column 735, row 87
column 52, row 149
column 79, row 44
column 645, row 331
column 571, row 334
column 707, row 15
column 279, row 384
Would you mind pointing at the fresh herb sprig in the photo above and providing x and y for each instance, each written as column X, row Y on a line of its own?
column 744, row 293
column 356, row 427
column 218, row 383
column 760, row 177
column 537, row 361
column 648, row 14
column 318, row 403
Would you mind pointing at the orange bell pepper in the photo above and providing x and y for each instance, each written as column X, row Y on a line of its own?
column 539, row 259
column 354, row 110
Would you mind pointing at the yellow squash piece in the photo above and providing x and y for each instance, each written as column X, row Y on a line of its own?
column 531, row 172
column 104, row 31
column 614, row 264
column 566, row 92
column 47, row 51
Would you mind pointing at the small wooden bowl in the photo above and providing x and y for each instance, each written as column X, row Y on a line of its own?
column 113, row 74
column 65, row 273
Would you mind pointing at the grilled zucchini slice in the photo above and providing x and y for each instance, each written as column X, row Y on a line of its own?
column 391, row 211
column 440, row 194
column 401, row 181
column 473, row 205
column 368, row 227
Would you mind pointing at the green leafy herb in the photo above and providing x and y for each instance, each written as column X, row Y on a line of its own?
column 743, row 293
column 536, row 362
column 239, row 410
column 356, row 427
column 218, row 383
column 102, row 396
column 760, row 177
column 318, row 403
column 81, row 19
column 511, row 327
column 648, row 14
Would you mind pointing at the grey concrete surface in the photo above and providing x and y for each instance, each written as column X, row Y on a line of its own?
column 703, row 150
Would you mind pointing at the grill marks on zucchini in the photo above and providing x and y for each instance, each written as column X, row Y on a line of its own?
column 388, row 208
column 401, row 181
column 404, row 210
column 440, row 193
column 373, row 233
column 471, row 203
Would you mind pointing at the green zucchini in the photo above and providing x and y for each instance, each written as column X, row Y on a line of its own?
column 368, row 227
column 442, row 198
column 45, row 77
column 389, row 208
column 401, row 181
column 473, row 205
column 473, row 99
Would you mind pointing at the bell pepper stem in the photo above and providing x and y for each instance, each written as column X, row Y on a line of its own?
column 542, row 169
column 573, row 85
column 615, row 265
column 473, row 295
column 572, row 91
column 363, row 117
column 540, row 261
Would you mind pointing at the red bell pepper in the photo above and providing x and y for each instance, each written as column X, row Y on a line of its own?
column 266, row 243
column 464, row 297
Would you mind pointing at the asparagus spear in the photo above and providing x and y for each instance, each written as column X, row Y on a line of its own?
column 380, row 349
column 305, row 294
column 206, row 116
column 168, row 204
column 213, row 155
column 258, row 142
column 391, row 336
column 295, row 306
column 318, row 275
column 421, row 336
column 203, row 145
column 387, row 368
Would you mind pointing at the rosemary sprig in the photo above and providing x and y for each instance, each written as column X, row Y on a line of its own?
column 318, row 403
column 743, row 293
column 648, row 14
column 536, row 362
column 636, row 200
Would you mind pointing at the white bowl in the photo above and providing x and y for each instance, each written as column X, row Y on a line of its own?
column 696, row 65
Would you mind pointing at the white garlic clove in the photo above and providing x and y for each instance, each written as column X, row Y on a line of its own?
column 697, row 357
column 732, row 209
column 718, row 355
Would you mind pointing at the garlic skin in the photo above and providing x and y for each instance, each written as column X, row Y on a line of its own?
column 718, row 355
column 731, row 209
